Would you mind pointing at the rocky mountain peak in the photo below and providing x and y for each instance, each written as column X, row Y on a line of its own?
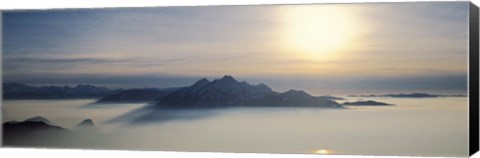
column 297, row 93
column 85, row 123
column 38, row 119
column 227, row 79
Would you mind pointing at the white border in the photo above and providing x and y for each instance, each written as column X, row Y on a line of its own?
column 49, row 4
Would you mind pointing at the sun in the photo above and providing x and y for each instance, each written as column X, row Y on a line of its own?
column 317, row 30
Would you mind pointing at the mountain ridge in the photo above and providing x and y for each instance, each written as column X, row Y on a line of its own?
column 13, row 90
column 136, row 95
column 410, row 95
column 227, row 91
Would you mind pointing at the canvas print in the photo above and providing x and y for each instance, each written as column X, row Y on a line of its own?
column 355, row 79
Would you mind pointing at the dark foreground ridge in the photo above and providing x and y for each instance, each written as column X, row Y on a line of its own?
column 37, row 128
column 14, row 129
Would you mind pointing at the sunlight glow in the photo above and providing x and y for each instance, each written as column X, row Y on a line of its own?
column 318, row 30
column 322, row 151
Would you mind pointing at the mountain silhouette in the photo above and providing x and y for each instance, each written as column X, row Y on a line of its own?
column 136, row 95
column 227, row 91
column 87, row 123
column 38, row 119
column 366, row 103
column 409, row 95
column 23, row 91
column 37, row 126
column 293, row 98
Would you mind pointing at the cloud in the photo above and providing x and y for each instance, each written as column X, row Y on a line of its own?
column 31, row 64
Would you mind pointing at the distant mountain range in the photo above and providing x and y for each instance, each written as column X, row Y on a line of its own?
column 23, row 91
column 293, row 98
column 223, row 92
column 409, row 95
column 227, row 91
column 366, row 103
column 105, row 95
column 136, row 95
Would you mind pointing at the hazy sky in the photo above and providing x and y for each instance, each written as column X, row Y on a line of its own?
column 319, row 48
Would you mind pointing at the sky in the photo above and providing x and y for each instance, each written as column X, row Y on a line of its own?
column 322, row 49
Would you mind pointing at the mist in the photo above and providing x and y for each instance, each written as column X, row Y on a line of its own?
column 413, row 127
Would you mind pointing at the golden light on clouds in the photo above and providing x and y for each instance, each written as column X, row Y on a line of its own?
column 322, row 151
column 318, row 31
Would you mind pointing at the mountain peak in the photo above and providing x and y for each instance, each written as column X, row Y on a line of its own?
column 293, row 92
column 219, row 92
column 202, row 81
column 37, row 119
column 85, row 123
column 228, row 78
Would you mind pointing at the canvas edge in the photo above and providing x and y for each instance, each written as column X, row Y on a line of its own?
column 473, row 79
column 473, row 73
column 1, row 77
